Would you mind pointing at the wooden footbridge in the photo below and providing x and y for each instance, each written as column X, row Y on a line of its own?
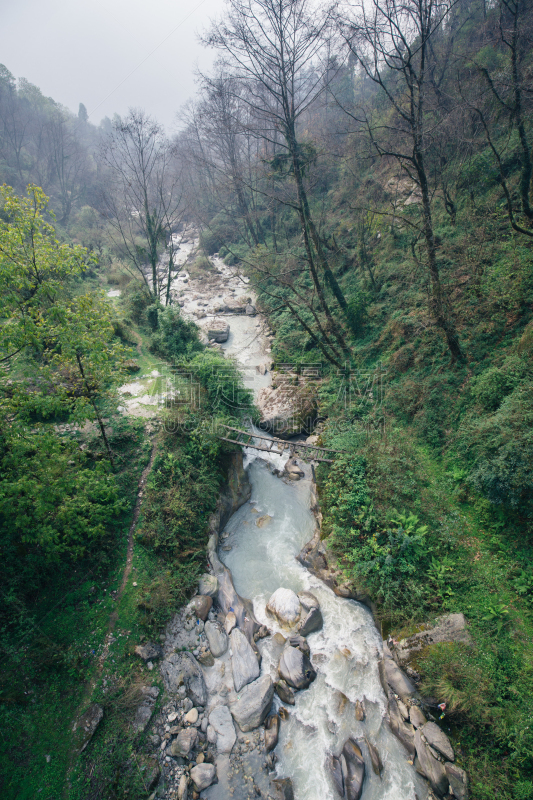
column 309, row 452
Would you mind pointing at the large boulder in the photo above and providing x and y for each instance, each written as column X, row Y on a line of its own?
column 353, row 770
column 182, row 668
column 202, row 605
column 397, row 680
column 184, row 743
column 311, row 622
column 218, row 332
column 145, row 709
column 448, row 628
column 222, row 723
column 295, row 668
column 217, row 638
column 335, row 768
column 149, row 651
column 252, row 705
column 230, row 602
column 243, row 660
column 203, row 775
column 285, row 606
column 293, row 469
column 417, row 717
column 433, row 769
column 85, row 727
column 208, row 585
column 458, row 781
column 289, row 408
column 438, row 740
column 284, row 692
column 403, row 731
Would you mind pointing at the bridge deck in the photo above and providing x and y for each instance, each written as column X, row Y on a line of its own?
column 266, row 444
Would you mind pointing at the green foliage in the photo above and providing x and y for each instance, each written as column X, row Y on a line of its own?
column 499, row 448
column 173, row 337
column 136, row 300
column 53, row 502
column 495, row 383
column 223, row 384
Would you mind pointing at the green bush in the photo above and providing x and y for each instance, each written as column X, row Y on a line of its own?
column 499, row 448
column 136, row 300
column 495, row 383
column 173, row 337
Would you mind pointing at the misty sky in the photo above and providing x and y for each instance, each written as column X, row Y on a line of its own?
column 108, row 54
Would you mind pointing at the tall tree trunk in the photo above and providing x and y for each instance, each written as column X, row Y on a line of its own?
column 92, row 398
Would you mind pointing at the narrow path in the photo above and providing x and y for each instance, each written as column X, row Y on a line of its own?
column 90, row 687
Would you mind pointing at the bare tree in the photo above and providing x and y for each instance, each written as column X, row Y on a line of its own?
column 275, row 48
column 505, row 106
column 392, row 40
column 144, row 200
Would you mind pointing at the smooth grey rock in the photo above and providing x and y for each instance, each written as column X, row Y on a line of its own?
column 438, row 740
column 434, row 770
column 202, row 605
column 220, row 720
column 285, row 606
column 312, row 622
column 182, row 668
column 208, row 585
column 217, row 638
column 230, row 602
column 253, row 703
column 271, row 732
column 243, row 660
column 191, row 717
column 396, row 679
column 308, row 600
column 250, row 310
column 284, row 692
column 203, row 776
column 417, row 717
column 403, row 731
column 211, row 735
column 354, row 774
column 296, row 669
column 184, row 742
column 335, row 769
column 458, row 781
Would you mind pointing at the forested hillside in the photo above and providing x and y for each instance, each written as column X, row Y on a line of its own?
column 370, row 168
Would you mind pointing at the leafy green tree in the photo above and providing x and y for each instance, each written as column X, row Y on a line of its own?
column 74, row 358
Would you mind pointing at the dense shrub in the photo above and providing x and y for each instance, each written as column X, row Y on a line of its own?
column 499, row 448
column 173, row 336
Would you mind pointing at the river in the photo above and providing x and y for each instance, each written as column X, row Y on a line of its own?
column 346, row 651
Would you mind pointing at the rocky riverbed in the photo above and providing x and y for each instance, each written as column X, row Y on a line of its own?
column 290, row 693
